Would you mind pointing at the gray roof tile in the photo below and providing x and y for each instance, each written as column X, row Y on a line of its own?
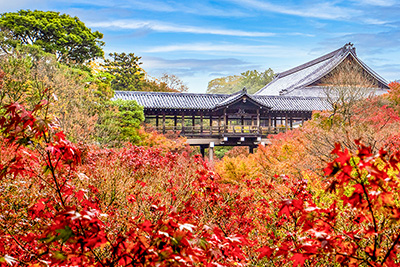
column 160, row 100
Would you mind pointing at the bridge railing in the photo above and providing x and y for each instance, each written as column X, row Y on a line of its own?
column 233, row 130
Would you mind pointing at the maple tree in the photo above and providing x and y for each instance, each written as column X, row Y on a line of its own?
column 74, row 218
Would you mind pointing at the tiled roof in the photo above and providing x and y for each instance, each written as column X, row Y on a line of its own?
column 304, row 75
column 293, row 103
column 237, row 96
column 159, row 100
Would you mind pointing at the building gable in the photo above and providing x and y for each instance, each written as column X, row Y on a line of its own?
column 307, row 79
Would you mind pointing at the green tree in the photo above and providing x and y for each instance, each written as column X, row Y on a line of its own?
column 60, row 34
column 128, row 75
column 253, row 80
column 120, row 123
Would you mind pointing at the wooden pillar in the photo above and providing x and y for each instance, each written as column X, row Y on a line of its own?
column 251, row 149
column 258, row 122
column 202, row 150
column 302, row 119
column 219, row 124
column 241, row 123
column 183, row 123
column 175, row 123
column 211, row 125
column 225, row 121
column 201, row 123
column 269, row 123
column 193, row 123
column 157, row 122
column 163, row 123
column 286, row 121
column 291, row 121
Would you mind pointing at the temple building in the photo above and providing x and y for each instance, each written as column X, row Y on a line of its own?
column 242, row 119
column 313, row 78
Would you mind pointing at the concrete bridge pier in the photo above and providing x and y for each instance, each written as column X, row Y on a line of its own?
column 211, row 151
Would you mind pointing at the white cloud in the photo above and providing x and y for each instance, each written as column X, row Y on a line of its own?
column 230, row 49
column 321, row 10
column 207, row 47
column 383, row 3
column 169, row 27
column 373, row 21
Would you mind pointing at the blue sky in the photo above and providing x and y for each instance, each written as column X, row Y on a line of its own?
column 202, row 40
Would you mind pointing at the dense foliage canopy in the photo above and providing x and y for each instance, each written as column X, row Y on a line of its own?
column 62, row 35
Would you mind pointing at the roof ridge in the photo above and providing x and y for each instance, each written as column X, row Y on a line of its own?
column 169, row 93
column 343, row 56
column 289, row 97
column 310, row 63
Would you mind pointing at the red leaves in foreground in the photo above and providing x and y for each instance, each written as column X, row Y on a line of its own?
column 362, row 230
column 63, row 218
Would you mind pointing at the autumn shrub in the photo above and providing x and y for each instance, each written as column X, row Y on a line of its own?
column 359, row 226
column 302, row 208
column 70, row 205
column 170, row 141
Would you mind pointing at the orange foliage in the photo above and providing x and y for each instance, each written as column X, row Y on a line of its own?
column 168, row 142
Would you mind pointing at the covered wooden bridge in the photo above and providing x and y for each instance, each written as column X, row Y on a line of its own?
column 241, row 119
column 209, row 120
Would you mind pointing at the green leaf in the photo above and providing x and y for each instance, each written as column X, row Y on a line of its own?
column 65, row 234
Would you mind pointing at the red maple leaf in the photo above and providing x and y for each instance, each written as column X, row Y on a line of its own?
column 298, row 259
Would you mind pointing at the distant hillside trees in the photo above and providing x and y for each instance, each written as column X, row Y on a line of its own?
column 253, row 80
column 60, row 34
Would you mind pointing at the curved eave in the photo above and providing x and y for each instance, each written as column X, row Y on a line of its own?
column 237, row 98
column 371, row 72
